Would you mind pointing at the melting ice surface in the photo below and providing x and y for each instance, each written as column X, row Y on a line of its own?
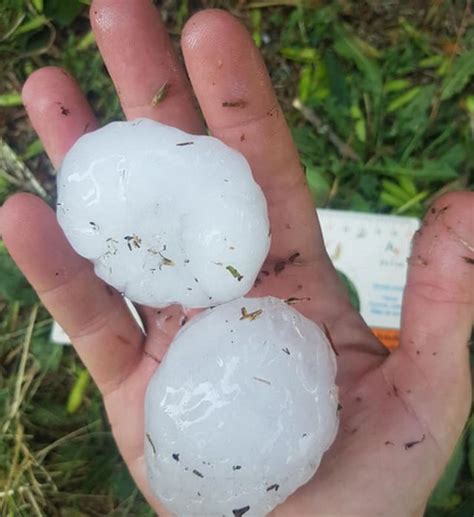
column 165, row 216
column 240, row 411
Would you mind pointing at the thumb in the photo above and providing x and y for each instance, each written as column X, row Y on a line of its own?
column 437, row 317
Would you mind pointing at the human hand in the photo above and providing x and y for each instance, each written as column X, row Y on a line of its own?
column 402, row 413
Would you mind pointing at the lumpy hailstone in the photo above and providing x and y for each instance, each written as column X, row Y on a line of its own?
column 165, row 216
column 240, row 411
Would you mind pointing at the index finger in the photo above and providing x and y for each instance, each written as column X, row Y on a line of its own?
column 235, row 93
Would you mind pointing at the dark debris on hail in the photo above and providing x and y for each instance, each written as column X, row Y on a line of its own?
column 275, row 487
column 239, row 512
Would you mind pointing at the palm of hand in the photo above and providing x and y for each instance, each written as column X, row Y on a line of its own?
column 401, row 413
column 383, row 418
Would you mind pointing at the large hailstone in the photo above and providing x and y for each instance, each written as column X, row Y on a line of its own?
column 240, row 411
column 165, row 216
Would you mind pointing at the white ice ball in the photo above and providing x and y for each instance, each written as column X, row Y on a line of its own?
column 240, row 411
column 165, row 216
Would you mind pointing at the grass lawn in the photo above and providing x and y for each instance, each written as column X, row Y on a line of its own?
column 384, row 120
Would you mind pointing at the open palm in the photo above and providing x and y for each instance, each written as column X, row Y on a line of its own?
column 401, row 412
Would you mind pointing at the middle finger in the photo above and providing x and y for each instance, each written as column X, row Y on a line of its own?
column 140, row 58
column 150, row 83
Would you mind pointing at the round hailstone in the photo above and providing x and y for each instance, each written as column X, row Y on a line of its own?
column 165, row 216
column 240, row 411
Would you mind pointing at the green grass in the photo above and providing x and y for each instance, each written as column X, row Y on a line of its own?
column 380, row 99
